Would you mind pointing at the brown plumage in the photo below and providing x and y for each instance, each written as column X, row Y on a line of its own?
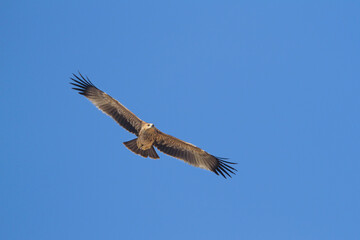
column 148, row 135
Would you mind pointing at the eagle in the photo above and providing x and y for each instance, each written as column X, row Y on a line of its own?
column 148, row 136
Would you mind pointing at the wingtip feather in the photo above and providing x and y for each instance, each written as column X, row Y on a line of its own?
column 224, row 168
column 81, row 84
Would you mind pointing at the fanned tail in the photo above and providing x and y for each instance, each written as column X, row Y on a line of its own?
column 132, row 146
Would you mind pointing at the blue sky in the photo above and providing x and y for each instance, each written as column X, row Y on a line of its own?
column 274, row 86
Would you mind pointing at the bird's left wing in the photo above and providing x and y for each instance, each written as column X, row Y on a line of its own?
column 107, row 104
column 192, row 154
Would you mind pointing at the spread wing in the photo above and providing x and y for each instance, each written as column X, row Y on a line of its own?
column 107, row 104
column 192, row 154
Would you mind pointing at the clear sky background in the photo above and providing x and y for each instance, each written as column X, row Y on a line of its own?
column 273, row 86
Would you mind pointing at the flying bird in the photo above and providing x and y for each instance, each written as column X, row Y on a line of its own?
column 148, row 136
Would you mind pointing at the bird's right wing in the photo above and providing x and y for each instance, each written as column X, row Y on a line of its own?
column 192, row 155
column 107, row 104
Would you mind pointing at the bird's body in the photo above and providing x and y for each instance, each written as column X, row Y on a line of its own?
column 148, row 136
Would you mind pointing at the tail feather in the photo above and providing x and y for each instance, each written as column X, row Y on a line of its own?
column 152, row 153
column 132, row 146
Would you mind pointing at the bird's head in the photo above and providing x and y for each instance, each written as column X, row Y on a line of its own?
column 149, row 125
